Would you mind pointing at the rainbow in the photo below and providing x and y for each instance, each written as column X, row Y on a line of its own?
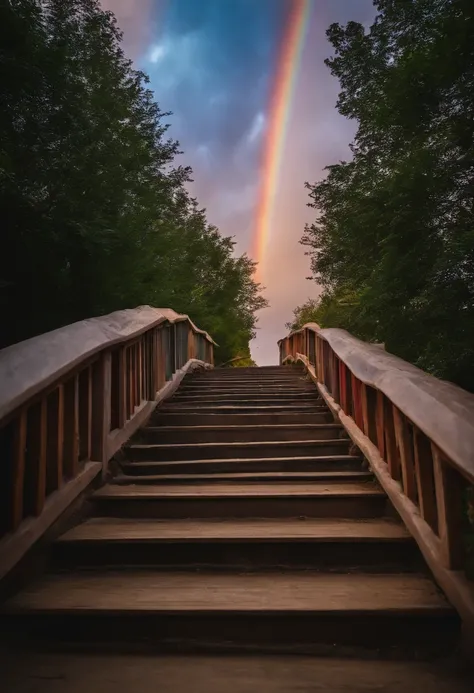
column 279, row 110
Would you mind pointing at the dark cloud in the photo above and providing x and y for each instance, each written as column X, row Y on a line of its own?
column 212, row 63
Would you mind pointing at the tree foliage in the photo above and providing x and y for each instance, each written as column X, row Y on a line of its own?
column 394, row 227
column 95, row 211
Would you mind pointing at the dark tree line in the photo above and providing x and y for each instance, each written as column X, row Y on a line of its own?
column 392, row 244
column 95, row 215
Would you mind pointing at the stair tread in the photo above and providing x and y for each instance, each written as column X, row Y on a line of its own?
column 245, row 444
column 232, row 407
column 244, row 427
column 255, row 529
column 247, row 476
column 268, row 461
column 208, row 460
column 258, row 490
column 139, row 591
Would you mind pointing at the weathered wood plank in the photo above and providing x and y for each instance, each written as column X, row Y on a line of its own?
column 324, row 529
column 71, row 428
column 18, row 470
column 425, row 480
column 404, row 442
column 14, row 546
column 55, row 449
column 449, row 499
column 177, row 592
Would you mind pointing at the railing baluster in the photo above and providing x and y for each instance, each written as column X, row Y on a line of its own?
column 85, row 414
column 380, row 423
column 35, row 488
column 424, row 474
column 369, row 412
column 18, row 470
column 449, row 498
column 101, row 409
column 55, row 441
column 393, row 459
column 405, row 451
column 71, row 428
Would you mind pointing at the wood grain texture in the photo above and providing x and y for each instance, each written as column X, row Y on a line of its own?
column 458, row 588
column 14, row 546
column 108, row 673
column 18, row 471
column 142, row 591
column 269, row 490
column 278, row 529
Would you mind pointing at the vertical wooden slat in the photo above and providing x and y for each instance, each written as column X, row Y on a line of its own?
column 129, row 377
column 122, row 387
column 343, row 386
column 18, row 462
column 391, row 451
column 380, row 423
column 147, row 366
column 140, row 371
column 101, row 409
column 369, row 412
column 156, row 360
column 85, row 413
column 365, row 409
column 449, row 499
column 336, row 384
column 357, row 401
column 36, row 453
column 424, row 475
column 71, row 428
column 55, row 444
column 404, row 443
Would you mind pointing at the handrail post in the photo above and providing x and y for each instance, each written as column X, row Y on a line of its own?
column 101, row 409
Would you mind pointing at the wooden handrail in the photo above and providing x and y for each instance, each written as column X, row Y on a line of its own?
column 69, row 399
column 417, row 433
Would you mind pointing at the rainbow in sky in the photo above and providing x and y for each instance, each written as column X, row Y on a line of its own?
column 279, row 115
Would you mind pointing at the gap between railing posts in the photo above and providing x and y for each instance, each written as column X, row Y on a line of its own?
column 69, row 399
column 417, row 433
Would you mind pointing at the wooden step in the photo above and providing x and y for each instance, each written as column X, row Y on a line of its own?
column 241, row 408
column 223, row 434
column 323, row 463
column 257, row 401
column 250, row 382
column 266, row 448
column 246, row 397
column 251, row 373
column 258, row 419
column 54, row 672
column 205, row 386
column 380, row 545
column 128, row 477
column 208, row 610
column 350, row 499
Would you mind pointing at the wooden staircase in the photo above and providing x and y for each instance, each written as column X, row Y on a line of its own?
column 241, row 518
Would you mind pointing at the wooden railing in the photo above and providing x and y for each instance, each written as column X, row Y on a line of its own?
column 417, row 433
column 69, row 399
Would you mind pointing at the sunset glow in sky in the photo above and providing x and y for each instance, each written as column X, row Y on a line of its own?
column 254, row 111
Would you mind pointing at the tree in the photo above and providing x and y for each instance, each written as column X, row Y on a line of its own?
column 95, row 212
column 394, row 225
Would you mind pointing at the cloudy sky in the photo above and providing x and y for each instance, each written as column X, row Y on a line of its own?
column 213, row 64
